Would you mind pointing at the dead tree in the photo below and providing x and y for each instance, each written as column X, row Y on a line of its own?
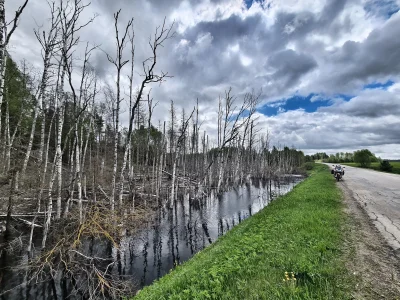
column 162, row 34
column 70, row 12
column 119, row 63
column 230, row 125
column 128, row 151
column 81, row 100
column 180, row 143
column 69, row 27
column 48, row 42
column 231, row 120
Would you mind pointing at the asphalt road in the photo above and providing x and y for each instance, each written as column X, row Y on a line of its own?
column 379, row 194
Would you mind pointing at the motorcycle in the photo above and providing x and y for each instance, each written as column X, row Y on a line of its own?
column 338, row 172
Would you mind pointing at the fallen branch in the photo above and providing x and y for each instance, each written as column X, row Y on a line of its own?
column 29, row 223
column 103, row 192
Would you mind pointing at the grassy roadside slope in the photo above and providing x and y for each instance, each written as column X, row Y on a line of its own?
column 300, row 232
column 376, row 166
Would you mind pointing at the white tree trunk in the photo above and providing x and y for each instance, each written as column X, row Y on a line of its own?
column 37, row 111
column 3, row 58
column 7, row 137
column 221, row 173
column 122, row 177
column 71, row 177
column 78, row 171
column 172, row 197
column 60, row 124
column 49, row 209
column 43, row 180
column 115, row 164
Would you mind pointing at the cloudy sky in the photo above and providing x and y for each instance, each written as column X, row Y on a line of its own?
column 329, row 70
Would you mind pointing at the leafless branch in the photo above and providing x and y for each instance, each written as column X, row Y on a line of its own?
column 15, row 21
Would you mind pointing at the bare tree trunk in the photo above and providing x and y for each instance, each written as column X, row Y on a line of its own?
column 119, row 64
column 3, row 58
column 42, row 183
column 71, row 177
column 115, row 159
column 221, row 172
column 7, row 139
column 30, row 143
column 78, row 171
column 172, row 196
column 42, row 136
column 48, row 43
column 89, row 130
column 60, row 124
column 13, row 192
column 49, row 208
column 161, row 165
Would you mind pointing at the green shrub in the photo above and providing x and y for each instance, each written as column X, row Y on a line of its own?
column 309, row 165
column 386, row 166
column 363, row 157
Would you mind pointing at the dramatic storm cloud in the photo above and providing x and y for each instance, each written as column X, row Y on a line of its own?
column 329, row 71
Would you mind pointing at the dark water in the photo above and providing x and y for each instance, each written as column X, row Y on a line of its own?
column 171, row 237
column 176, row 235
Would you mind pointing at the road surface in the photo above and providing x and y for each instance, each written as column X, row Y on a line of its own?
column 379, row 194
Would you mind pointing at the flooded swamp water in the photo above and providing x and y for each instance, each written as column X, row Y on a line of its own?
column 171, row 237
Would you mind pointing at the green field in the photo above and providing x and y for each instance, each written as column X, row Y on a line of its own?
column 375, row 166
column 301, row 232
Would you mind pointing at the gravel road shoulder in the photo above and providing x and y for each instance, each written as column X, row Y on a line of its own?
column 373, row 263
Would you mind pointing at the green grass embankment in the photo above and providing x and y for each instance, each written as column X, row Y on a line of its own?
column 301, row 232
column 376, row 166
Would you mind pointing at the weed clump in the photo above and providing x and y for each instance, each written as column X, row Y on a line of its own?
column 309, row 165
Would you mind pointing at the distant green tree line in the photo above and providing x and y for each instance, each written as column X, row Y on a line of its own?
column 363, row 158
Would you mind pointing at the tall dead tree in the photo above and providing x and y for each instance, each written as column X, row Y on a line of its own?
column 81, row 100
column 128, row 152
column 69, row 27
column 119, row 63
column 48, row 42
column 70, row 12
column 162, row 34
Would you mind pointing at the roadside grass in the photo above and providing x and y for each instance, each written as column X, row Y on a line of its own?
column 301, row 232
column 375, row 166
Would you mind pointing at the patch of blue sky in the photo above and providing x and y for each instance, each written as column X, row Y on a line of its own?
column 249, row 3
column 379, row 85
column 383, row 8
column 309, row 104
column 313, row 101
column 392, row 12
